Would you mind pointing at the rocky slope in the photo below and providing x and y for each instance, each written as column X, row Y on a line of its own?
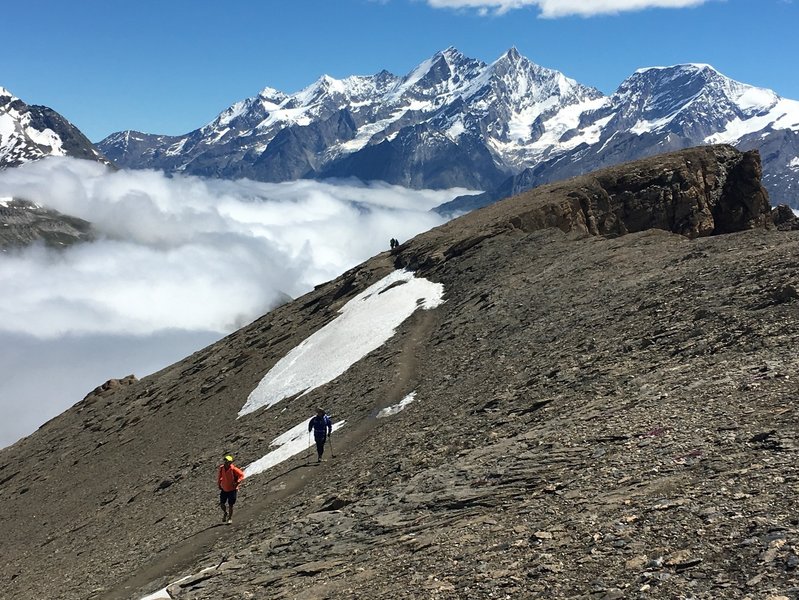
column 455, row 121
column 23, row 223
column 603, row 409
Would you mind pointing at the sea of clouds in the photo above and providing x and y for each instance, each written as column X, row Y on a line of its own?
column 180, row 262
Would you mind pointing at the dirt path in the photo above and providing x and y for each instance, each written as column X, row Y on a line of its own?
column 179, row 557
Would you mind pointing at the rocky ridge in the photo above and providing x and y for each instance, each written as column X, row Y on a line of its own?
column 23, row 223
column 603, row 410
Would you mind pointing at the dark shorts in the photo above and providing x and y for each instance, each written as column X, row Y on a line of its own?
column 229, row 497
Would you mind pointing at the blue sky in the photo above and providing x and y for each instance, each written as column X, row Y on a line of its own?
column 169, row 66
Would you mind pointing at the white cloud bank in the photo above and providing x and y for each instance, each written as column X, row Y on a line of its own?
column 181, row 261
column 564, row 8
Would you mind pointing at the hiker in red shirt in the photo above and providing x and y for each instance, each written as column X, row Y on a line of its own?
column 229, row 479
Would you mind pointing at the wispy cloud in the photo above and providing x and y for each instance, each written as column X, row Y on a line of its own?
column 564, row 8
column 180, row 260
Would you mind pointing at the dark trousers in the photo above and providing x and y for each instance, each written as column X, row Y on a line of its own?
column 229, row 497
column 320, row 445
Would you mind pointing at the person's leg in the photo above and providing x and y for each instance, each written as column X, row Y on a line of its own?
column 222, row 499
column 231, row 498
column 320, row 448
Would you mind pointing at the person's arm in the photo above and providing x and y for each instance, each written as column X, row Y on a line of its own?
column 310, row 424
column 329, row 424
column 219, row 478
column 238, row 476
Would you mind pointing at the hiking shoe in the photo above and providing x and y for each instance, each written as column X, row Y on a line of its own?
column 224, row 518
column 230, row 521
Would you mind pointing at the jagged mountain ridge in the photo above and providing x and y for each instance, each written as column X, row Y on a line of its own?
column 448, row 104
column 665, row 109
column 594, row 415
column 32, row 132
column 454, row 120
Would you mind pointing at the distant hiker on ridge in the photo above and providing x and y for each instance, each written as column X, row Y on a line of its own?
column 322, row 427
column 229, row 479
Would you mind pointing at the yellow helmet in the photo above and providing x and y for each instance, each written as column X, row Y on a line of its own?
column 229, row 458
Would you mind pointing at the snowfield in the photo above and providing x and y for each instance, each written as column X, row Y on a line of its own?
column 365, row 323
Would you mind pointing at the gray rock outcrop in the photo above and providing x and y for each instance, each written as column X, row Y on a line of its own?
column 23, row 223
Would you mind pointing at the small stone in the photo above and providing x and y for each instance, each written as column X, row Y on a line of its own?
column 675, row 558
column 636, row 563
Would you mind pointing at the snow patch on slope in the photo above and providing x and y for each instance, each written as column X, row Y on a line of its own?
column 366, row 132
column 162, row 594
column 784, row 115
column 290, row 443
column 365, row 323
column 392, row 410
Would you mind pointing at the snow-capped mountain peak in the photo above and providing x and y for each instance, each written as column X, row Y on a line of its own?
column 454, row 120
column 522, row 108
column 32, row 132
column 269, row 96
column 696, row 96
column 441, row 75
column 525, row 79
column 695, row 67
column 696, row 80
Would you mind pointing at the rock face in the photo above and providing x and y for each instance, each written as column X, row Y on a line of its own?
column 595, row 416
column 23, row 223
column 110, row 386
column 698, row 192
column 784, row 218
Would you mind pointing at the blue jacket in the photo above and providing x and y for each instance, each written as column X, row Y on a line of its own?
column 321, row 426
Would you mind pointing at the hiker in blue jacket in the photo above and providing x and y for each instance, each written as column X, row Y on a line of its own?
column 322, row 427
